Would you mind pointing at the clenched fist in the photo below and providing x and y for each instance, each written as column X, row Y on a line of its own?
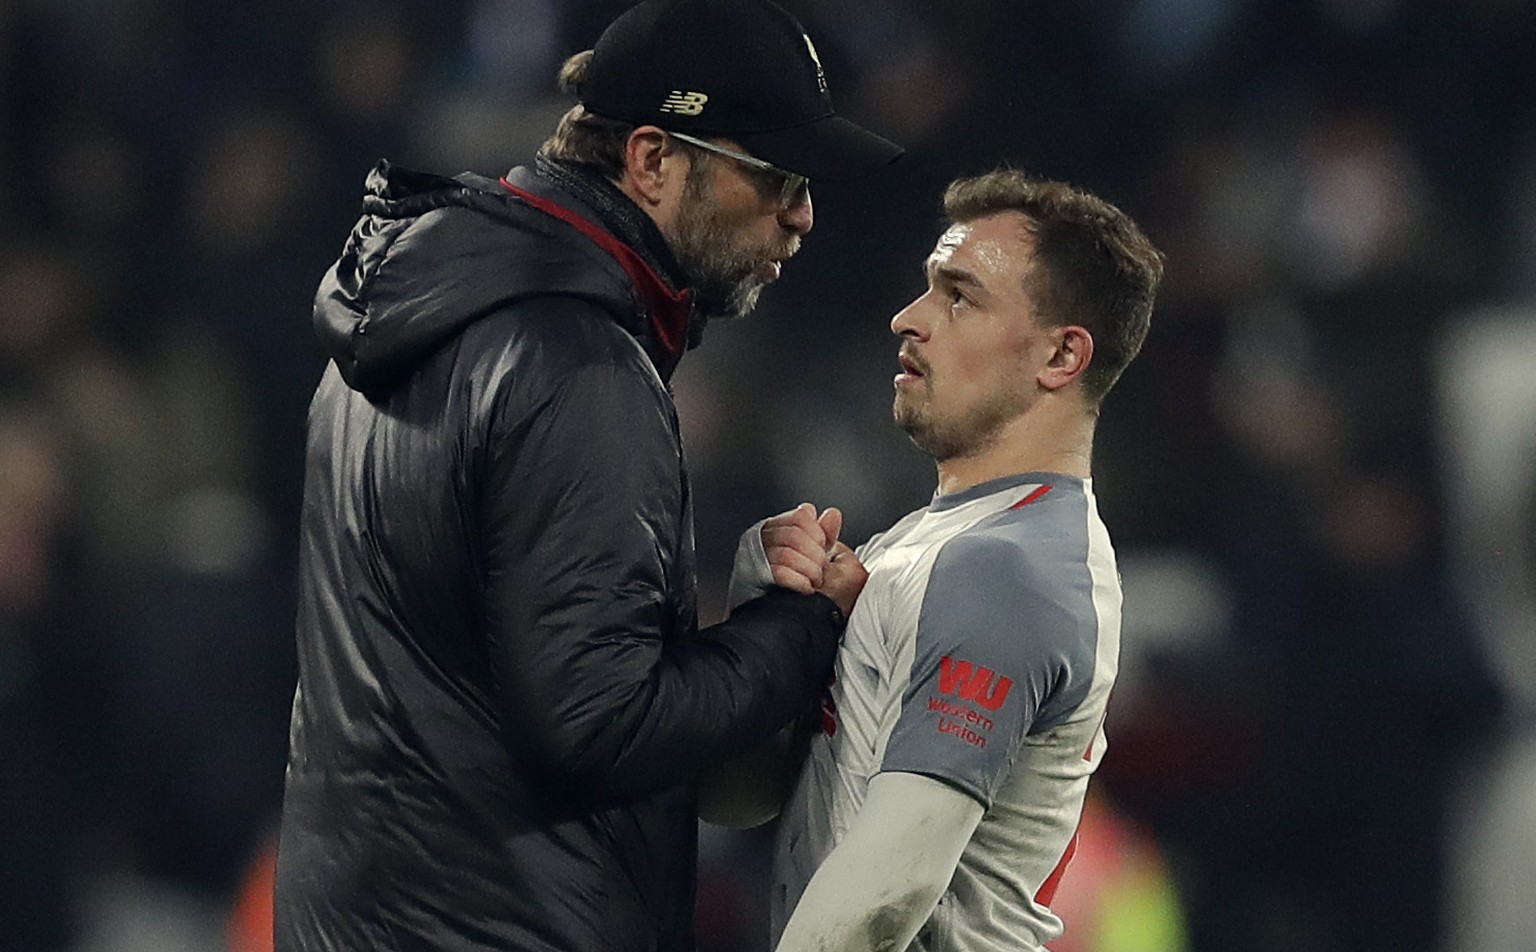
column 806, row 556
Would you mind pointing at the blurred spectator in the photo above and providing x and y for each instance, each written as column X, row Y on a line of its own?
column 40, row 690
column 236, row 307
column 1118, row 894
column 53, row 356
column 1349, row 691
column 1488, row 427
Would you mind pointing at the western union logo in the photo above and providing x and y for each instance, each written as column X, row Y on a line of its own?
column 973, row 683
column 684, row 104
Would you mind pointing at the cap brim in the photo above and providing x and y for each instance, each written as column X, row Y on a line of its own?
column 830, row 149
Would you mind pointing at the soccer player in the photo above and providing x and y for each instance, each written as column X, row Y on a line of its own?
column 938, row 804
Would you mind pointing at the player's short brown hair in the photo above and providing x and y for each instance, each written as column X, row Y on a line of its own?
column 1093, row 266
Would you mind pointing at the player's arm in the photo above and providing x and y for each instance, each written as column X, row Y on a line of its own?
column 790, row 551
column 749, row 790
column 880, row 884
column 604, row 691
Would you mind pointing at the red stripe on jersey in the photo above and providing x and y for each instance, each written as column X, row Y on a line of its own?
column 1088, row 754
column 1047, row 890
column 1039, row 491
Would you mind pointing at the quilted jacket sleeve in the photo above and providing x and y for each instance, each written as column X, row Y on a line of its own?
column 601, row 683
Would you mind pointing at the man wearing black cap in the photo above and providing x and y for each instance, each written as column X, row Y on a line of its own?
column 503, row 696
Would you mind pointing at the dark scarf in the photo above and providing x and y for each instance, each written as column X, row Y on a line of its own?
column 619, row 214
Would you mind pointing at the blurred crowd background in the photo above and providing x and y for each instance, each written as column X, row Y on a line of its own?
column 1321, row 473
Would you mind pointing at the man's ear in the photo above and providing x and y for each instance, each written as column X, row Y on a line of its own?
column 1072, row 353
column 651, row 167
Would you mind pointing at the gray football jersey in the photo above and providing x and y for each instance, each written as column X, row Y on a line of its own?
column 981, row 653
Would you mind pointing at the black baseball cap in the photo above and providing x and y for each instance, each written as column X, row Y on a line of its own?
column 738, row 69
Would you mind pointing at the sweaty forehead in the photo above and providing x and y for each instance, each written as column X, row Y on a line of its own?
column 995, row 249
column 949, row 242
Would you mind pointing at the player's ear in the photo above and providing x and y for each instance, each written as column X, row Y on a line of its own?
column 1071, row 353
column 653, row 166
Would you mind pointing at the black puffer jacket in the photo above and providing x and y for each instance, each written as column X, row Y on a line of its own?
column 503, row 694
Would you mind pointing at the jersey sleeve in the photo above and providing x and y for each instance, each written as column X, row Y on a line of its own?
column 1004, row 648
column 751, row 574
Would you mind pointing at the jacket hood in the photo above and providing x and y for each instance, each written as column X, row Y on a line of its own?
column 431, row 255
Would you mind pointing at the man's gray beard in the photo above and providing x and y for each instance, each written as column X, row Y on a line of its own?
column 721, row 273
column 720, row 290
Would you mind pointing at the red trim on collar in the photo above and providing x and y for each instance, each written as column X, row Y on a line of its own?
column 668, row 309
column 1039, row 491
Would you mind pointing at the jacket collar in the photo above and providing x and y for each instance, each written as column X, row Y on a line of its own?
column 593, row 205
column 616, row 212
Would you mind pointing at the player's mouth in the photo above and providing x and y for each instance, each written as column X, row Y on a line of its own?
column 779, row 252
column 911, row 369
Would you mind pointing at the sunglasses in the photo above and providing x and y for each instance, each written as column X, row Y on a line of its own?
column 792, row 187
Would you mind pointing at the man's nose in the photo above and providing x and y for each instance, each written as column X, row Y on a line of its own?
column 798, row 216
column 909, row 322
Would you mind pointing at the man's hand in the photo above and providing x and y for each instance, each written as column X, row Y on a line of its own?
column 844, row 578
column 806, row 556
column 799, row 545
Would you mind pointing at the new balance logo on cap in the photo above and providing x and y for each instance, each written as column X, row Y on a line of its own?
column 737, row 69
column 684, row 104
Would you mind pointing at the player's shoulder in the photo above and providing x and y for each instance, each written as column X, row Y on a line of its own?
column 1046, row 531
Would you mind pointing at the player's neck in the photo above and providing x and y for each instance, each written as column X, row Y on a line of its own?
column 1026, row 445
